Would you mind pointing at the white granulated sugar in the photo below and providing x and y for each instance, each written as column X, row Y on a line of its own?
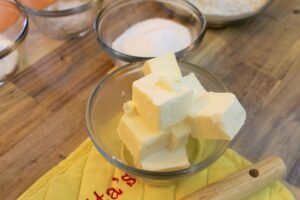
column 10, row 62
column 228, row 7
column 153, row 37
column 69, row 24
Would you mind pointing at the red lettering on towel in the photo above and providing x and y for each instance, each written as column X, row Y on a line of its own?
column 113, row 193
column 129, row 179
column 98, row 197
column 115, row 179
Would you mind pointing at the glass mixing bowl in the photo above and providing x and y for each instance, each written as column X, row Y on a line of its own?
column 13, row 31
column 104, row 110
column 62, row 19
column 118, row 16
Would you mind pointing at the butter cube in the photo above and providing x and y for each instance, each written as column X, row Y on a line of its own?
column 166, row 83
column 194, row 84
column 165, row 65
column 139, row 139
column 179, row 134
column 220, row 117
column 161, row 106
column 165, row 160
column 128, row 107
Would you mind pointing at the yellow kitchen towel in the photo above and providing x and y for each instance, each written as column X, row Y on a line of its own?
column 86, row 175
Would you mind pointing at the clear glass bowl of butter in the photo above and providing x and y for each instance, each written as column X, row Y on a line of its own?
column 104, row 111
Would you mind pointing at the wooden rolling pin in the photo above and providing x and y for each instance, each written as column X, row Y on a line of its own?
column 242, row 184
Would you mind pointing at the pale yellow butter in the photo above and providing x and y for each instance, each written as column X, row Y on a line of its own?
column 179, row 134
column 165, row 65
column 167, row 108
column 220, row 116
column 191, row 82
column 128, row 107
column 140, row 140
column 158, row 106
column 166, row 160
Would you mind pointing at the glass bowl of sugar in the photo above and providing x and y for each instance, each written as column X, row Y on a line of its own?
column 104, row 111
column 13, row 31
column 131, row 31
column 62, row 19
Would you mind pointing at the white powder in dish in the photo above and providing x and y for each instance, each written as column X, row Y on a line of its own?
column 10, row 62
column 69, row 24
column 64, row 5
column 153, row 37
column 228, row 7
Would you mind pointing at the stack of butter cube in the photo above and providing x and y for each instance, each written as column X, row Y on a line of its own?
column 166, row 109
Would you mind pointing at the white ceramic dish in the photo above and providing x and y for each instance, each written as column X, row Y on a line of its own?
column 219, row 21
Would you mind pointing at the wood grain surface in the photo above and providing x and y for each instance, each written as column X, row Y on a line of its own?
column 42, row 108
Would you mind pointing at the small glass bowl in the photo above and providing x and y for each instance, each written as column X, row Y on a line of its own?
column 221, row 21
column 118, row 16
column 11, row 38
column 63, row 19
column 104, row 110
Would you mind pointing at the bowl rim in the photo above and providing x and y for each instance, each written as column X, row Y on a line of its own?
column 160, row 175
column 58, row 13
column 130, row 58
column 22, row 34
column 221, row 21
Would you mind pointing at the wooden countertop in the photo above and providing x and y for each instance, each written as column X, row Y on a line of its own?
column 42, row 108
